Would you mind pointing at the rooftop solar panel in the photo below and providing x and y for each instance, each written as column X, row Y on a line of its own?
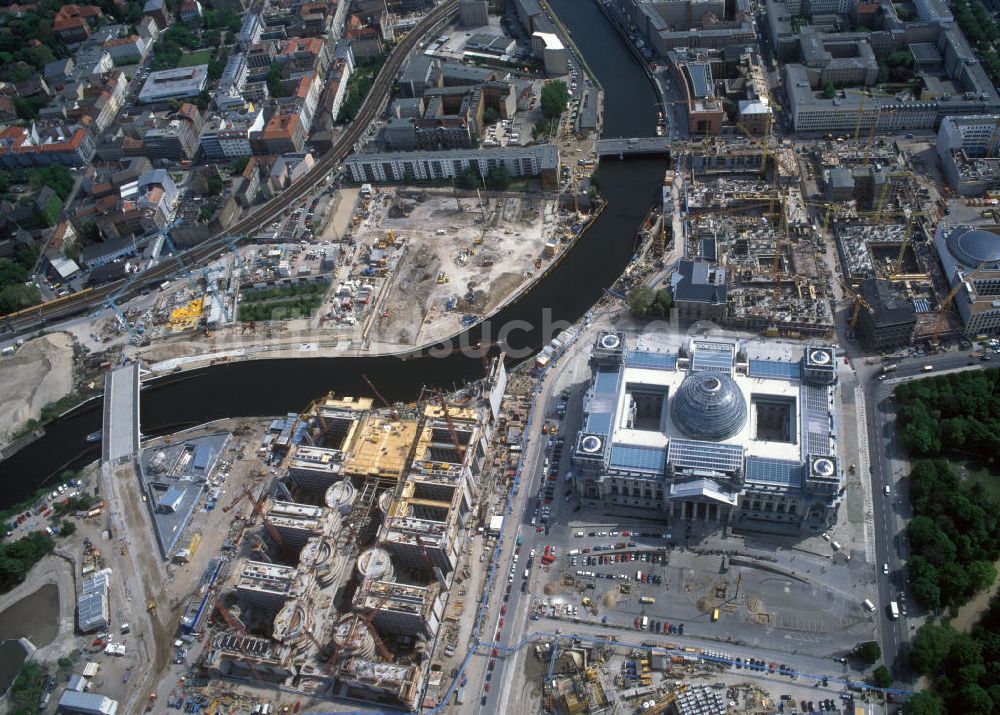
column 643, row 358
column 764, row 470
column 646, row 459
column 718, row 362
column 695, row 454
column 816, row 416
column 775, row 369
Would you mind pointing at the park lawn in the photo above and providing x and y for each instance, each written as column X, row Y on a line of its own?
column 198, row 57
column 975, row 471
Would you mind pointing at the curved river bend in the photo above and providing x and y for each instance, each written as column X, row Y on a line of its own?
column 272, row 387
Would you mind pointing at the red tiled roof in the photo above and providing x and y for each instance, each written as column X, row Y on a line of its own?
column 311, row 45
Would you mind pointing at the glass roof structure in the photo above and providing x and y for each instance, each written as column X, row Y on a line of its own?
column 709, row 406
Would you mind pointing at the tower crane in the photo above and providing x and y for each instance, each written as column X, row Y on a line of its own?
column 961, row 280
column 451, row 425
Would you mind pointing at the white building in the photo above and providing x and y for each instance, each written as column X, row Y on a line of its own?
column 537, row 160
column 967, row 147
column 549, row 48
column 178, row 83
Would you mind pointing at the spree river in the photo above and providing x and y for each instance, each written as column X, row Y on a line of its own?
column 273, row 387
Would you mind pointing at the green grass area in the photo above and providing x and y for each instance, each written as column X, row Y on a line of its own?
column 198, row 57
column 284, row 303
column 976, row 472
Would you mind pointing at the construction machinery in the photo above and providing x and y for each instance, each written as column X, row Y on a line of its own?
column 961, row 281
column 151, row 607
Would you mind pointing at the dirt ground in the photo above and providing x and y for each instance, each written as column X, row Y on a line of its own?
column 463, row 258
column 41, row 371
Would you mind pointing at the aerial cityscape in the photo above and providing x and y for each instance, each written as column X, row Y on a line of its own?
column 500, row 356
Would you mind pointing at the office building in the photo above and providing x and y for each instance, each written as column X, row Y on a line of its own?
column 886, row 318
column 699, row 290
column 968, row 149
column 970, row 259
column 177, row 83
column 473, row 13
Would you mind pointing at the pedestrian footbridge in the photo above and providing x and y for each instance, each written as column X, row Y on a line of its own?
column 120, row 434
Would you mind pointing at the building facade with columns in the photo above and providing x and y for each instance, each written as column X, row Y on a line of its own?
column 709, row 434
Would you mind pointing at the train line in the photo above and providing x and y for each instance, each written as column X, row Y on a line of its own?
column 35, row 316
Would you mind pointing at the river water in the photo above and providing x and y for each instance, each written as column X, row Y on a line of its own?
column 273, row 387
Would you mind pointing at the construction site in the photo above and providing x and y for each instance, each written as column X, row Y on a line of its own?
column 765, row 213
column 583, row 675
column 746, row 214
column 458, row 258
column 335, row 581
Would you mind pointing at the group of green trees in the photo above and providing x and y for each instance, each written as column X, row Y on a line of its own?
column 15, row 293
column 27, row 688
column 955, row 414
column 173, row 43
column 359, row 85
column 963, row 668
column 954, row 536
column 645, row 302
column 981, row 31
column 554, row 99
column 497, row 178
column 285, row 303
column 17, row 557
column 896, row 67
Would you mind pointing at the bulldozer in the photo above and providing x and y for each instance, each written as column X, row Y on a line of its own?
column 151, row 607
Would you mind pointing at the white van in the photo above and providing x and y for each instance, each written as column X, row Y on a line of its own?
column 574, row 552
column 869, row 605
column 645, row 623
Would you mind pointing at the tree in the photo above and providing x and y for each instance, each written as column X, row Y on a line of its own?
column 981, row 575
column 498, row 178
column 663, row 301
column 214, row 185
column 881, row 677
column 274, row 80
column 67, row 527
column 829, row 91
column 924, row 703
column 640, row 299
column 541, row 128
column 490, row 116
column 930, row 647
column 869, row 651
column 554, row 99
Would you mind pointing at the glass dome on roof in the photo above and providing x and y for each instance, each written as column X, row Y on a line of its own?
column 974, row 246
column 709, row 406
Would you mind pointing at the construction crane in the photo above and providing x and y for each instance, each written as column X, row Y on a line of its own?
column 856, row 313
column 379, row 643
column 451, row 425
column 273, row 533
column 961, row 280
column 231, row 505
column 378, row 394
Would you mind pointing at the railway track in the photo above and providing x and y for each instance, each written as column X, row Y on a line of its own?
column 39, row 315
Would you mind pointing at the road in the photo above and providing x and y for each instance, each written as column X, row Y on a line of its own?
column 265, row 214
column 890, row 512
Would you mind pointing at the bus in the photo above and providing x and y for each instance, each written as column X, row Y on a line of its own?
column 893, row 610
column 715, row 615
column 890, row 367
column 647, row 599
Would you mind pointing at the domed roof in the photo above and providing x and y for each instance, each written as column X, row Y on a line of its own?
column 709, row 406
column 972, row 246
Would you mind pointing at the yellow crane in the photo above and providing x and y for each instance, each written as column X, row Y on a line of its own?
column 958, row 285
